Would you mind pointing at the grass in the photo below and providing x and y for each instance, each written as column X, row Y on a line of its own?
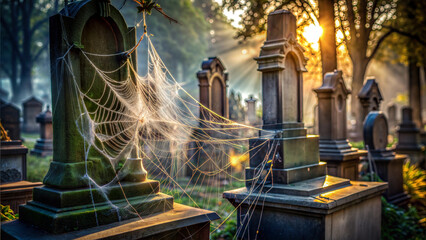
column 37, row 167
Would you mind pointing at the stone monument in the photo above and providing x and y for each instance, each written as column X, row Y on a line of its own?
column 31, row 108
column 388, row 164
column 288, row 194
column 44, row 145
column 342, row 160
column 67, row 202
column 393, row 123
column 370, row 99
column 213, row 80
column 9, row 118
column 251, row 110
column 409, row 141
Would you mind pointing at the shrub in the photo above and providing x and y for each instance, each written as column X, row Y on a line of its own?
column 7, row 214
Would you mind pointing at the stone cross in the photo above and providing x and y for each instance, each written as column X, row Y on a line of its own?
column 31, row 108
column 282, row 63
column 213, row 81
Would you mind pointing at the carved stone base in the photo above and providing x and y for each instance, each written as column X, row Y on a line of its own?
column 43, row 148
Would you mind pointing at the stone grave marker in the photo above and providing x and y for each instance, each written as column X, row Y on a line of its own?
column 288, row 194
column 388, row 165
column 409, row 141
column 67, row 202
column 251, row 110
column 44, row 145
column 31, row 108
column 342, row 160
column 9, row 117
column 392, row 118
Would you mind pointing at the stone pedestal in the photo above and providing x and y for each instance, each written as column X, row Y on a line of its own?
column 288, row 194
column 31, row 108
column 17, row 193
column 307, row 210
column 44, row 145
column 409, row 141
column 182, row 222
column 387, row 165
column 342, row 160
column 13, row 164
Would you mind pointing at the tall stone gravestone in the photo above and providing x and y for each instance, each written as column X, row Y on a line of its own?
column 213, row 82
column 31, row 108
column 392, row 118
column 9, row 117
column 409, row 141
column 288, row 194
column 370, row 98
column 251, row 110
column 67, row 202
column 342, row 160
column 44, row 145
column 388, row 164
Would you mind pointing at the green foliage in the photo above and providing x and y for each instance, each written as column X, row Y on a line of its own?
column 7, row 214
column 37, row 167
column 415, row 185
column 400, row 224
column 227, row 231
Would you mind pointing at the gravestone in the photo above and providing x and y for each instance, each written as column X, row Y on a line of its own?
column 44, row 145
column 409, row 141
column 31, row 108
column 288, row 194
column 392, row 118
column 68, row 202
column 335, row 149
column 213, row 80
column 251, row 111
column 9, row 117
column 387, row 164
column 370, row 98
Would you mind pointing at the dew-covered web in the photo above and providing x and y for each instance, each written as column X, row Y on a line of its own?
column 196, row 157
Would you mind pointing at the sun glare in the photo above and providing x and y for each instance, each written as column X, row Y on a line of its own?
column 312, row 33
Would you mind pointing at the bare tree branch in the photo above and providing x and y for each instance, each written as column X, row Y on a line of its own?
column 379, row 42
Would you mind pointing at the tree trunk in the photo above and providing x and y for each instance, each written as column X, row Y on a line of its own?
column 328, row 38
column 414, row 89
column 359, row 68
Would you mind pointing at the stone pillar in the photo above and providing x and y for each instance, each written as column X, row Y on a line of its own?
column 288, row 194
column 70, row 200
column 370, row 99
column 213, row 82
column 342, row 160
column 392, row 118
column 44, row 145
column 9, row 117
column 251, row 111
column 409, row 141
column 387, row 164
column 31, row 108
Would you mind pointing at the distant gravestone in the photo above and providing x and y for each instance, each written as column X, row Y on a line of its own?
column 9, row 117
column 251, row 110
column 409, row 141
column 212, row 81
column 31, row 108
column 392, row 118
column 44, row 145
column 386, row 163
column 342, row 160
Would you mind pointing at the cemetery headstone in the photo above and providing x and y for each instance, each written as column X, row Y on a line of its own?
column 288, row 194
column 392, row 118
column 251, row 110
column 213, row 81
column 31, row 108
column 409, row 141
column 370, row 98
column 387, row 165
column 342, row 160
column 44, row 145
column 68, row 201
column 9, row 117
